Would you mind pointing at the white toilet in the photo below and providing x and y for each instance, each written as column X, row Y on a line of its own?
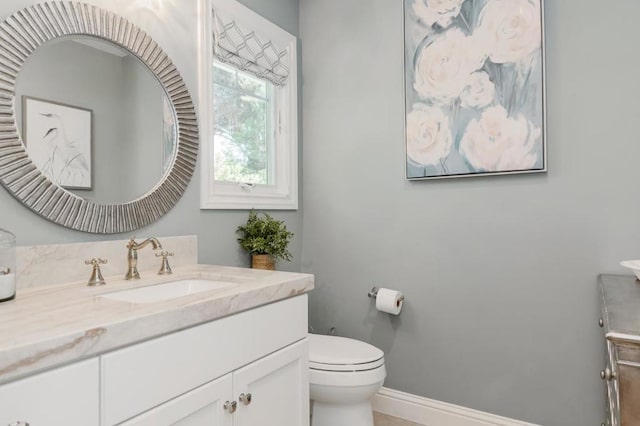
column 344, row 374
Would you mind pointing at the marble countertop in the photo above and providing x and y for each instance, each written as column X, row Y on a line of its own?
column 56, row 325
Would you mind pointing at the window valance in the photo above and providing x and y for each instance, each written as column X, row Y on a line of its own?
column 248, row 50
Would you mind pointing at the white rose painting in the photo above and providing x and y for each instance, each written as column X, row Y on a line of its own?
column 428, row 135
column 474, row 89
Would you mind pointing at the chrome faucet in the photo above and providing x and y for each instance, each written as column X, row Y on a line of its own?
column 132, row 255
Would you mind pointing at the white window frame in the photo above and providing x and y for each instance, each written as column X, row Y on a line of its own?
column 283, row 194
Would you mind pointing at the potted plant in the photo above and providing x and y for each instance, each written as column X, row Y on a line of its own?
column 266, row 239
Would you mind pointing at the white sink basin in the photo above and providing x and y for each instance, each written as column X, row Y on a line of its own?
column 166, row 291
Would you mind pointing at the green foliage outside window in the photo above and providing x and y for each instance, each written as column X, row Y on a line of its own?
column 242, row 127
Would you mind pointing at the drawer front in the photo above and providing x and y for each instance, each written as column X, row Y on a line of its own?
column 145, row 375
column 627, row 352
column 61, row 397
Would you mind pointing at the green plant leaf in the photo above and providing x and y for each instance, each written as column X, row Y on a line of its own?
column 262, row 234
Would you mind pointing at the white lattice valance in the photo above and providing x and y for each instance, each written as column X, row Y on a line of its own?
column 248, row 50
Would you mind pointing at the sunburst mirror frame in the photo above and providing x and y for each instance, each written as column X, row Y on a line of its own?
column 20, row 35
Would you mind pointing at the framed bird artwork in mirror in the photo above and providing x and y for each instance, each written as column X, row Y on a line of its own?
column 57, row 137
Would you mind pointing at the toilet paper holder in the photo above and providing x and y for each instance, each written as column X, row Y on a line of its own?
column 373, row 293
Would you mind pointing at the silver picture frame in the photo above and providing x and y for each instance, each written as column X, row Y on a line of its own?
column 445, row 155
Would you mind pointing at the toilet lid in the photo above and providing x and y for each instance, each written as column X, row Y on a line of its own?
column 333, row 353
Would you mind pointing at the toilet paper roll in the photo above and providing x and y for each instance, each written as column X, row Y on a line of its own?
column 389, row 301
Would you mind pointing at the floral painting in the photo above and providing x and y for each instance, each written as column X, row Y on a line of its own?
column 474, row 87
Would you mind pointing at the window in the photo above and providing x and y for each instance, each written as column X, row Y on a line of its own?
column 249, row 127
column 243, row 141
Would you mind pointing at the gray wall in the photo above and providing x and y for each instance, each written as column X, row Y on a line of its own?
column 499, row 272
column 175, row 28
column 142, row 130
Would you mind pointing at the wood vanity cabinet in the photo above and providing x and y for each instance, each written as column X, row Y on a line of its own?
column 621, row 323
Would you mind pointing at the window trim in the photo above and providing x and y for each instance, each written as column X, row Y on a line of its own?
column 283, row 195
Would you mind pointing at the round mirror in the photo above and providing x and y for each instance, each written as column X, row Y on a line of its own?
column 94, row 119
column 97, row 129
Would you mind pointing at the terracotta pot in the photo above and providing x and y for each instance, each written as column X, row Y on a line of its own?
column 263, row 261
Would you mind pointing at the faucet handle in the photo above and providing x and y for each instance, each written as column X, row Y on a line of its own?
column 165, row 269
column 96, row 277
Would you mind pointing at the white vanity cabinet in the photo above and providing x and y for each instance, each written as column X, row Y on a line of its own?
column 272, row 391
column 246, row 369
column 187, row 377
column 65, row 396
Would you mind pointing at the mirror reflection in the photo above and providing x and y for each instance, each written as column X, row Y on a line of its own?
column 94, row 119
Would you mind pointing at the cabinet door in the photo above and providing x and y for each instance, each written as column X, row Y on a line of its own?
column 203, row 406
column 279, row 389
column 61, row 397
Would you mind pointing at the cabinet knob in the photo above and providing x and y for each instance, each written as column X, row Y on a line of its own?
column 231, row 406
column 607, row 374
column 19, row 424
column 245, row 398
column 601, row 324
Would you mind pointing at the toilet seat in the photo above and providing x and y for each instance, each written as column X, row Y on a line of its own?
column 347, row 367
column 341, row 354
column 344, row 375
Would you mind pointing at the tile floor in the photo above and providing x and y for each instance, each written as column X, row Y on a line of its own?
column 384, row 420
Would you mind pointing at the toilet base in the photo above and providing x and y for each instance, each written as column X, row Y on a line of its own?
column 326, row 414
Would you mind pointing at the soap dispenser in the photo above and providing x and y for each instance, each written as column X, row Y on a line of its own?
column 7, row 266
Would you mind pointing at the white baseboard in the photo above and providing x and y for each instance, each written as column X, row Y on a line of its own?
column 428, row 412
